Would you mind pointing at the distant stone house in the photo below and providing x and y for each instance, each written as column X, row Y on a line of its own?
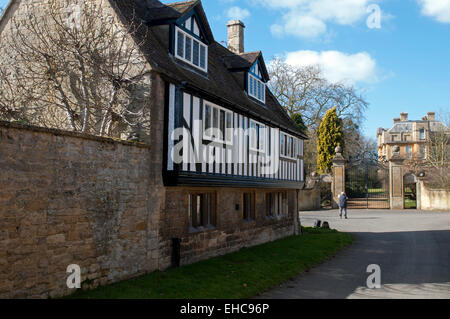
column 412, row 136
column 227, row 161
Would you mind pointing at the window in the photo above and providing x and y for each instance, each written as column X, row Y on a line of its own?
column 202, row 210
column 288, row 146
column 217, row 124
column 408, row 150
column 422, row 134
column 248, row 206
column 276, row 204
column 191, row 50
column 423, row 151
column 257, row 137
column 256, row 88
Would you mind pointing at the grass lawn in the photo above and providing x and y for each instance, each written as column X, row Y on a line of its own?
column 409, row 203
column 242, row 274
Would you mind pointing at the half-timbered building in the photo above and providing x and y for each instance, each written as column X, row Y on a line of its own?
column 227, row 160
column 232, row 158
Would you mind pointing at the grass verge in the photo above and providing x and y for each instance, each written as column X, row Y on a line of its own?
column 242, row 274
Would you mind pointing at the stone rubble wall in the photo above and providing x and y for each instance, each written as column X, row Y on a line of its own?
column 68, row 199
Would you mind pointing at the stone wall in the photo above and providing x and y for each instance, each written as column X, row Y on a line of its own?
column 309, row 199
column 231, row 232
column 67, row 199
column 432, row 199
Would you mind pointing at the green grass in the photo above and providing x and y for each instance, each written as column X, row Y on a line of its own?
column 376, row 190
column 409, row 203
column 242, row 274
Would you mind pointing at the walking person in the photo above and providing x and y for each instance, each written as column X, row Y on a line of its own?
column 342, row 203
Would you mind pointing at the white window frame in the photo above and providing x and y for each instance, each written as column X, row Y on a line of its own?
column 408, row 153
column 249, row 91
column 227, row 139
column 251, row 136
column 190, row 62
column 295, row 141
column 422, row 134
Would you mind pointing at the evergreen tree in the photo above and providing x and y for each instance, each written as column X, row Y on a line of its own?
column 330, row 135
column 297, row 118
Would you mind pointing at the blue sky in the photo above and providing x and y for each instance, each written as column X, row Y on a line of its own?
column 403, row 66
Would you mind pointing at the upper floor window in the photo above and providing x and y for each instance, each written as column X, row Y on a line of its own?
column 257, row 136
column 191, row 50
column 423, row 151
column 217, row 124
column 422, row 134
column 288, row 146
column 408, row 151
column 256, row 88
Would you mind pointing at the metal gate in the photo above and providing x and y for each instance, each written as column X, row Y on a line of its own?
column 367, row 183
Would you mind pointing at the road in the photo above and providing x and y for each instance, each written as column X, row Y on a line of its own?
column 411, row 247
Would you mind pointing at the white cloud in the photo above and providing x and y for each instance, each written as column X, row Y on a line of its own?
column 309, row 18
column 301, row 26
column 237, row 13
column 337, row 66
column 437, row 9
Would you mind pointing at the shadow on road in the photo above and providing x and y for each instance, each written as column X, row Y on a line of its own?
column 414, row 264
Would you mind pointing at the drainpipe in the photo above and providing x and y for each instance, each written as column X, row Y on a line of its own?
column 299, row 224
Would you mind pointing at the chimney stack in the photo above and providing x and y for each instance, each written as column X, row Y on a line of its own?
column 403, row 117
column 430, row 116
column 236, row 36
column 396, row 120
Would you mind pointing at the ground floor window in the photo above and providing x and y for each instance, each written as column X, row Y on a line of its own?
column 202, row 210
column 276, row 204
column 249, row 206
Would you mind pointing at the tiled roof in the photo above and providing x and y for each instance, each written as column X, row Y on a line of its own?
column 244, row 61
column 220, row 85
column 183, row 6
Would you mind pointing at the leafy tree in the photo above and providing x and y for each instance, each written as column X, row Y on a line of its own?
column 330, row 135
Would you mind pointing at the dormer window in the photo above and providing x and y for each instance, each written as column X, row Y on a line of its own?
column 256, row 87
column 189, row 44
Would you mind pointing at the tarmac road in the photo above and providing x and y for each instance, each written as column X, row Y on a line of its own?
column 411, row 247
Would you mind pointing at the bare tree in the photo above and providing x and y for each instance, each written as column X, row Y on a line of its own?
column 75, row 67
column 304, row 90
column 435, row 161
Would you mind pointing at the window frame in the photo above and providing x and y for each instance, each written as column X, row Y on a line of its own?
column 295, row 146
column 183, row 58
column 227, row 138
column 248, row 216
column 251, row 137
column 280, row 208
column 422, row 134
column 208, row 221
column 250, row 86
column 408, row 153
